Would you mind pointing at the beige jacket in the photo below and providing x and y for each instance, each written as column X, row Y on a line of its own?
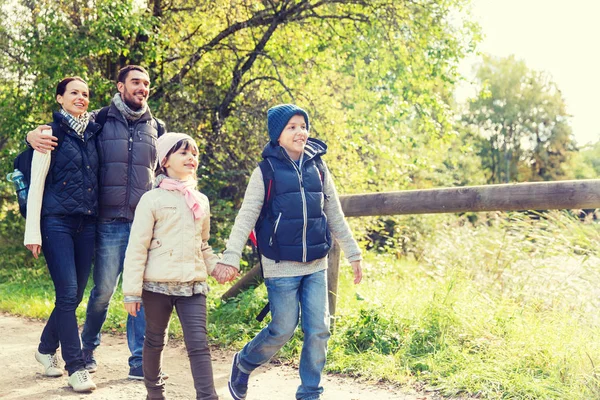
column 166, row 243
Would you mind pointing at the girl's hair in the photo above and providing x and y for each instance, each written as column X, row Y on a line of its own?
column 188, row 143
column 62, row 85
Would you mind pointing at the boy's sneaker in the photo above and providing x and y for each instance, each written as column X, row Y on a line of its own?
column 50, row 363
column 90, row 362
column 137, row 373
column 81, row 381
column 238, row 380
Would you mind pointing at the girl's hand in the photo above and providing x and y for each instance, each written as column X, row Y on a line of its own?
column 357, row 270
column 133, row 308
column 35, row 249
column 224, row 273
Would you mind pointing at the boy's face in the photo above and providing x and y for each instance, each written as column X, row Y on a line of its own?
column 294, row 136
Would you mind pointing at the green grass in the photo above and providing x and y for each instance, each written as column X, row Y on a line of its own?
column 505, row 309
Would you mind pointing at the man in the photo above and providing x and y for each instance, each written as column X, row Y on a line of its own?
column 127, row 152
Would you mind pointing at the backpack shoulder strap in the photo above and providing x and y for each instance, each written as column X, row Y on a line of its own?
column 321, row 167
column 102, row 115
column 269, row 181
column 161, row 127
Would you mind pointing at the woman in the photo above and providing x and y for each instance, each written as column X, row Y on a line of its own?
column 61, row 218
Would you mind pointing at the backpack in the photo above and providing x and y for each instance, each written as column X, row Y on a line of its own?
column 269, row 181
column 22, row 162
column 103, row 114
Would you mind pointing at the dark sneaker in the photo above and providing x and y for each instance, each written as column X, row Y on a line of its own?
column 90, row 362
column 137, row 373
column 238, row 380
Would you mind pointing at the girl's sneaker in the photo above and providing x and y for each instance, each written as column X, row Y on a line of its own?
column 50, row 363
column 81, row 381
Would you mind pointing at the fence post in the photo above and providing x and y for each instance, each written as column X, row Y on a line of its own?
column 333, row 271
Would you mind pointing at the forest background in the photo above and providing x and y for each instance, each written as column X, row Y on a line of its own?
column 378, row 80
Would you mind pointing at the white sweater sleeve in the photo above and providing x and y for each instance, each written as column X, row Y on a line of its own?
column 40, row 164
column 245, row 220
column 336, row 221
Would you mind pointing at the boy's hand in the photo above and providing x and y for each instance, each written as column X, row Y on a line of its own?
column 224, row 273
column 133, row 308
column 42, row 142
column 35, row 249
column 357, row 270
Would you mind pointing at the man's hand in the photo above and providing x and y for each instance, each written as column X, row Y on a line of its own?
column 133, row 308
column 224, row 273
column 357, row 270
column 35, row 249
column 40, row 140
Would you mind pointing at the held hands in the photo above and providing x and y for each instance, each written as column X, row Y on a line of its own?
column 35, row 249
column 133, row 308
column 357, row 270
column 224, row 273
column 41, row 142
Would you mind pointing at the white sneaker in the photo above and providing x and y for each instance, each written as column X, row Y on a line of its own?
column 50, row 363
column 81, row 381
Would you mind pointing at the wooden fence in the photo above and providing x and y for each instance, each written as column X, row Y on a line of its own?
column 581, row 194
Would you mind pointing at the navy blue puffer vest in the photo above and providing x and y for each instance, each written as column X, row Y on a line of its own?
column 72, row 184
column 295, row 226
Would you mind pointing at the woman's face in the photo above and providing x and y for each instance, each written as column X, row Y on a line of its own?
column 76, row 98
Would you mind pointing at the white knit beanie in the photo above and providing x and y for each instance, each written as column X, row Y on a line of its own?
column 166, row 143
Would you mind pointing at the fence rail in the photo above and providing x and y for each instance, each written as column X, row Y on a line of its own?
column 580, row 194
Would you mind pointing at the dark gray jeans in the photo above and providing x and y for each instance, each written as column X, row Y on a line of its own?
column 192, row 314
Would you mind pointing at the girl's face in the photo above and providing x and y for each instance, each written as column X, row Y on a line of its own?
column 294, row 136
column 183, row 163
column 76, row 98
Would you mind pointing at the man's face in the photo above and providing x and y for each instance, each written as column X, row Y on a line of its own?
column 135, row 90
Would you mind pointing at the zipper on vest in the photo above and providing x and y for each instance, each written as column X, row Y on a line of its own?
column 275, row 229
column 129, row 160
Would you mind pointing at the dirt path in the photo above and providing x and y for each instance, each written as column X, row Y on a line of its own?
column 21, row 378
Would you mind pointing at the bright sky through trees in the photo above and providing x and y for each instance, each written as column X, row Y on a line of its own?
column 557, row 36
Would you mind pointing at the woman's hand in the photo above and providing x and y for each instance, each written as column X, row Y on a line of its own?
column 133, row 307
column 35, row 249
column 357, row 270
column 224, row 273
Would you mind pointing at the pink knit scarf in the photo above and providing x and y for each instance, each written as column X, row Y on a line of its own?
column 192, row 197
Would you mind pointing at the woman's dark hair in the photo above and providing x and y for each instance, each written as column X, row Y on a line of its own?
column 62, row 85
column 188, row 143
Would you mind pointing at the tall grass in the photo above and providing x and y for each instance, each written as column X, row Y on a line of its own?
column 503, row 309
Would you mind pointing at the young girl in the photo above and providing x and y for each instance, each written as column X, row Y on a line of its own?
column 294, row 238
column 167, row 262
column 61, row 219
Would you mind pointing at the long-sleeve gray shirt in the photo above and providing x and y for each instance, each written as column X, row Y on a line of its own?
column 250, row 211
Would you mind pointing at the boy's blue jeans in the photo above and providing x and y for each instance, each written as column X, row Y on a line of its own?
column 288, row 297
column 68, row 245
column 112, row 237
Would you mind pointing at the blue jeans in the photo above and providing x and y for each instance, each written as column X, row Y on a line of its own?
column 68, row 245
column 111, row 243
column 287, row 298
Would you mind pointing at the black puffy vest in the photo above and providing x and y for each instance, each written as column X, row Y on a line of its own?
column 72, row 184
column 128, row 159
column 295, row 226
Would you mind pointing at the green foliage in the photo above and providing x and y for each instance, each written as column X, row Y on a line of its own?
column 522, row 119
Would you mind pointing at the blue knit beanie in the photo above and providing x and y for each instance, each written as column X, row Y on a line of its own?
column 279, row 116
